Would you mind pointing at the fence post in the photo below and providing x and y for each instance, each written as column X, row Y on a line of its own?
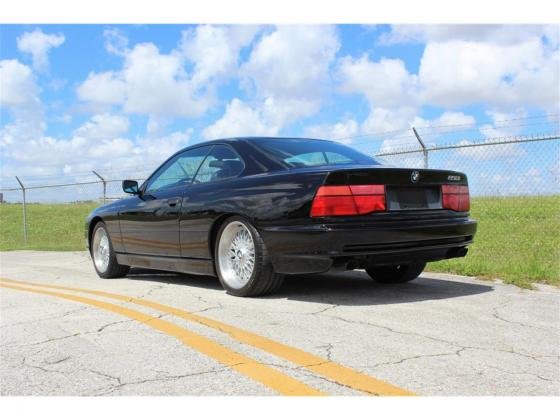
column 24, row 211
column 424, row 150
column 104, row 186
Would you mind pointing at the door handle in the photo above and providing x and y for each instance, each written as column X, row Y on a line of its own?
column 173, row 202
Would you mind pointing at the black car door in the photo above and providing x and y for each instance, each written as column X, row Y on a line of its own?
column 150, row 222
column 206, row 198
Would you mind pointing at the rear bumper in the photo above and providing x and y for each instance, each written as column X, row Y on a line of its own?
column 320, row 247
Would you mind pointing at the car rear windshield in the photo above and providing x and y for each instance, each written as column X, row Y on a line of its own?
column 298, row 153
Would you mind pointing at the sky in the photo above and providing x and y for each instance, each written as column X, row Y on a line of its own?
column 120, row 99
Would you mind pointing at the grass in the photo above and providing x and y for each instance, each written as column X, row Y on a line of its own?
column 518, row 241
column 518, row 238
column 50, row 227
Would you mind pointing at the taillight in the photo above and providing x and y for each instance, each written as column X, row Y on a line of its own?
column 455, row 197
column 348, row 200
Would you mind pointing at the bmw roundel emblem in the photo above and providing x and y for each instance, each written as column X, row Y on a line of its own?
column 415, row 176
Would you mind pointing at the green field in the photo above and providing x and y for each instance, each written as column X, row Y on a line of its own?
column 52, row 227
column 518, row 238
column 518, row 241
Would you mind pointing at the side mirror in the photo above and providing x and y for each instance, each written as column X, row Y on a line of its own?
column 130, row 187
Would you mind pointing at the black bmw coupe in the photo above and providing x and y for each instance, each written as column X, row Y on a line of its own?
column 251, row 210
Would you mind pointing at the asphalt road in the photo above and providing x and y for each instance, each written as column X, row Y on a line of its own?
column 64, row 331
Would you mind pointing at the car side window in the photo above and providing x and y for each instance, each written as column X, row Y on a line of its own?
column 317, row 158
column 333, row 157
column 177, row 171
column 307, row 159
column 222, row 162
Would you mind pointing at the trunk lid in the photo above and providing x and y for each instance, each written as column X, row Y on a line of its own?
column 405, row 189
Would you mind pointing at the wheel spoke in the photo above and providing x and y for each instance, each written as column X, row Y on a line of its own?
column 236, row 255
column 101, row 250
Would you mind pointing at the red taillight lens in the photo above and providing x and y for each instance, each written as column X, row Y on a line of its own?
column 333, row 190
column 455, row 197
column 348, row 200
column 333, row 206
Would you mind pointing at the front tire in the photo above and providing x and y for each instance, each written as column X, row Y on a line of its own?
column 103, row 254
column 242, row 261
column 391, row 274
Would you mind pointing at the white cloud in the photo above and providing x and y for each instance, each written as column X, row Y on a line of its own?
column 114, row 157
column 22, row 110
column 501, row 126
column 111, row 148
column 214, row 50
column 389, row 119
column 102, row 88
column 292, row 61
column 457, row 73
column 38, row 44
column 156, row 125
column 390, row 129
column 164, row 85
column 288, row 72
column 287, row 77
column 385, row 83
column 491, row 132
column 160, row 148
column 280, row 112
column 446, row 122
column 239, row 119
column 501, row 34
column 507, row 66
column 17, row 84
column 149, row 83
column 157, row 84
column 397, row 124
column 115, row 41
column 392, row 94
column 264, row 118
column 103, row 127
column 450, row 118
column 491, row 152
column 337, row 131
column 100, row 143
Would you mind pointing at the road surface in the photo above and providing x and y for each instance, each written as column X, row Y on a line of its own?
column 64, row 331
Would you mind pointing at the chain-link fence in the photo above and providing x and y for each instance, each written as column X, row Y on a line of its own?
column 497, row 167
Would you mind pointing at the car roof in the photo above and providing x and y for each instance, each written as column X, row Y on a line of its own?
column 254, row 139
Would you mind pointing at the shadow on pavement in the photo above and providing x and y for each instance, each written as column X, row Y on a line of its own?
column 355, row 288
column 352, row 288
column 156, row 276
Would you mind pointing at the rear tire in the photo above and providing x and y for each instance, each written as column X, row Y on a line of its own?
column 391, row 274
column 103, row 254
column 242, row 261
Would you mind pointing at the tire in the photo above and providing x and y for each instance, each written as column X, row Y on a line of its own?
column 242, row 261
column 103, row 255
column 392, row 274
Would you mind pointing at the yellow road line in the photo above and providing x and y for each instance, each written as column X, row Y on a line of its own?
column 338, row 373
column 267, row 376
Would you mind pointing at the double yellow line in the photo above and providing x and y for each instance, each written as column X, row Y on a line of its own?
column 251, row 368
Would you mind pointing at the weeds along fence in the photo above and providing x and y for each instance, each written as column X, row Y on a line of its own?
column 496, row 167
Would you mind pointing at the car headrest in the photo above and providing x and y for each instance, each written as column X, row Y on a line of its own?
column 216, row 164
column 230, row 168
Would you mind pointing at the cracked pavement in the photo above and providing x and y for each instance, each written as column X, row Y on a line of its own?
column 439, row 335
